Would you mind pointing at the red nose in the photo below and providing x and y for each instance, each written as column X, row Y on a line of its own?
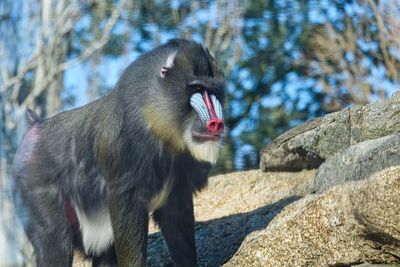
column 215, row 125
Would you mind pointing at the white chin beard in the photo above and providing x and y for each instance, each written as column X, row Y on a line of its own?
column 207, row 151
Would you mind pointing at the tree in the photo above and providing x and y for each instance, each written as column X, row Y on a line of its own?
column 355, row 55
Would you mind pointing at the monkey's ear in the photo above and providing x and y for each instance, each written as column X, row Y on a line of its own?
column 208, row 52
column 169, row 63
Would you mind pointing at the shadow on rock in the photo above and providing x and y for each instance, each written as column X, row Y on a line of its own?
column 217, row 240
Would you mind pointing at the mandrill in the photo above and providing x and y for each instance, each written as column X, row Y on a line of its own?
column 90, row 177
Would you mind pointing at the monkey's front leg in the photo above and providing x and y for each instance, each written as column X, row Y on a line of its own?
column 176, row 220
column 129, row 218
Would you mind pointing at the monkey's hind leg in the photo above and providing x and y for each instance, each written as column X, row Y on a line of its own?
column 47, row 226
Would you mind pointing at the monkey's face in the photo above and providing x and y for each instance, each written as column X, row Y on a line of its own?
column 204, row 127
column 190, row 103
column 204, row 132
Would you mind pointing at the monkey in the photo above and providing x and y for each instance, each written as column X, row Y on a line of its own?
column 90, row 178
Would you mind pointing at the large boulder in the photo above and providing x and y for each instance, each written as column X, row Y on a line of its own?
column 310, row 144
column 358, row 161
column 353, row 223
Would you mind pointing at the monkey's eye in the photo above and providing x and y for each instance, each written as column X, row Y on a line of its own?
column 198, row 86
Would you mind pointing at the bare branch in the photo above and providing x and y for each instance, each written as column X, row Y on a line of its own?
column 96, row 45
column 30, row 65
column 69, row 12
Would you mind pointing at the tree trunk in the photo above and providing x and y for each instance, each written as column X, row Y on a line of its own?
column 47, row 77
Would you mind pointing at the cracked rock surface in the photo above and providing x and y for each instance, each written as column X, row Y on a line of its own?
column 358, row 161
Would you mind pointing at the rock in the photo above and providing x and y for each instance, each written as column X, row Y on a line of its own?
column 357, row 222
column 358, row 161
column 309, row 145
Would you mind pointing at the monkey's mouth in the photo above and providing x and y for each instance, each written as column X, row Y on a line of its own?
column 206, row 136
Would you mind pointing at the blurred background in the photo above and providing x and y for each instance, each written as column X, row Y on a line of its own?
column 286, row 61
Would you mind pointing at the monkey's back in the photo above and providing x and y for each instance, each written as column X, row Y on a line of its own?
column 58, row 153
